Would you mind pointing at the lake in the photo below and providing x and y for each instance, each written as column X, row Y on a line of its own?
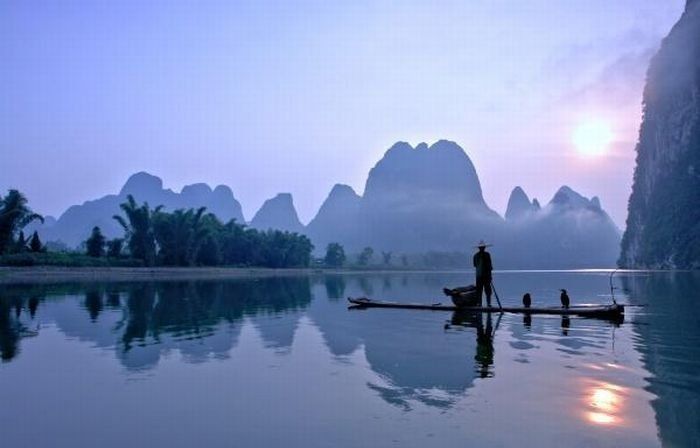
column 283, row 362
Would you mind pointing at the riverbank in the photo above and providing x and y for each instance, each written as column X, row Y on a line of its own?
column 51, row 274
column 55, row 274
column 60, row 274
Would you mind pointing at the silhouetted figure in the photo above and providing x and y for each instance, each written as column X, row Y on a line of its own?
column 565, row 325
column 483, row 267
column 565, row 301
column 527, row 300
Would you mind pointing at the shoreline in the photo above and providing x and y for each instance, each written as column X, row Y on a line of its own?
column 57, row 274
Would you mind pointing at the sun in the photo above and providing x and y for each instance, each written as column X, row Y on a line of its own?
column 592, row 138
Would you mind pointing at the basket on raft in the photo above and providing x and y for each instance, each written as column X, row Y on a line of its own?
column 463, row 296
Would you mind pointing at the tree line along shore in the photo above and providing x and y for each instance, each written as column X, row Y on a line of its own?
column 181, row 238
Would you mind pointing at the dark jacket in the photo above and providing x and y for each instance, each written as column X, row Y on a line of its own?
column 482, row 264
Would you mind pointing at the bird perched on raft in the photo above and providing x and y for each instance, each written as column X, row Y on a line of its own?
column 565, row 301
column 527, row 300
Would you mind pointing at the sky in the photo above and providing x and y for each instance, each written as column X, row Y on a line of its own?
column 295, row 96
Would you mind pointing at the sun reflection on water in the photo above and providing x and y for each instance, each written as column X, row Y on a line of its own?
column 604, row 403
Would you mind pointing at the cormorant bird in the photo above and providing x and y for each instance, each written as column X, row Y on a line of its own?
column 564, row 298
column 527, row 300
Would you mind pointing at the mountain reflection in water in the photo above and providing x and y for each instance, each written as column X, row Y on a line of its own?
column 548, row 375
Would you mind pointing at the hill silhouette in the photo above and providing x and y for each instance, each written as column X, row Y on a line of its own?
column 417, row 200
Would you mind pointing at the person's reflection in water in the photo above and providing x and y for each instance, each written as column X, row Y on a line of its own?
column 484, row 346
column 565, row 325
column 484, row 338
column 527, row 320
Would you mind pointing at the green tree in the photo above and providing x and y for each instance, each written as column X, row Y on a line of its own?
column 208, row 253
column 386, row 256
column 239, row 245
column 335, row 255
column 35, row 243
column 95, row 245
column 179, row 235
column 114, row 247
column 14, row 215
column 365, row 256
column 21, row 243
column 234, row 241
column 138, row 227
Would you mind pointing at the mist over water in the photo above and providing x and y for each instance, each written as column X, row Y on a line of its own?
column 216, row 363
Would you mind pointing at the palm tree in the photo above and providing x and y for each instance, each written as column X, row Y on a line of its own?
column 180, row 235
column 138, row 226
column 14, row 215
column 96, row 243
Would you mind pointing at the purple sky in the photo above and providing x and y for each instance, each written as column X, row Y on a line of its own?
column 296, row 96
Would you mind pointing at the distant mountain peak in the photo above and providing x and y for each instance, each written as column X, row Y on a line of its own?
column 398, row 147
column 75, row 224
column 566, row 196
column 278, row 213
column 566, row 200
column 283, row 197
column 196, row 192
column 519, row 205
column 140, row 182
column 342, row 190
column 444, row 144
column 337, row 218
column 442, row 171
column 198, row 189
column 223, row 190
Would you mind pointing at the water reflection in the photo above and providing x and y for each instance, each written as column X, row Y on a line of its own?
column 335, row 286
column 159, row 317
column 605, row 403
column 406, row 360
column 565, row 325
column 668, row 337
column 484, row 338
column 13, row 324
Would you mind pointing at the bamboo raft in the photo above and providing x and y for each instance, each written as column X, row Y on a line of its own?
column 610, row 312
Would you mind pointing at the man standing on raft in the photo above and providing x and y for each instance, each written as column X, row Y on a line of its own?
column 483, row 267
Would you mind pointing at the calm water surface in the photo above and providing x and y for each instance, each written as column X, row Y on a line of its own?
column 283, row 362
